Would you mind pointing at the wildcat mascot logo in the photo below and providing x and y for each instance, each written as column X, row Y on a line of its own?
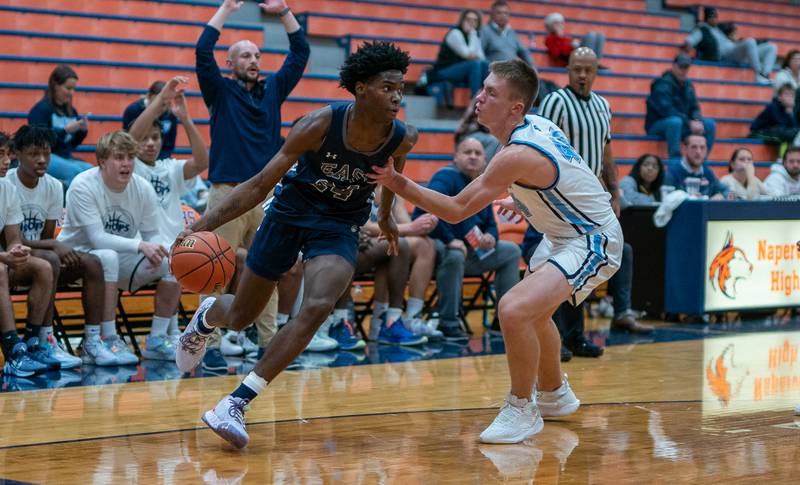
column 728, row 267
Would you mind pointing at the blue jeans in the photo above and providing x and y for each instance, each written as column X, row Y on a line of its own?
column 470, row 72
column 453, row 266
column 619, row 286
column 673, row 130
column 65, row 169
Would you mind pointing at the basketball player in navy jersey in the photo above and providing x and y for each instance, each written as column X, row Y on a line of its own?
column 318, row 209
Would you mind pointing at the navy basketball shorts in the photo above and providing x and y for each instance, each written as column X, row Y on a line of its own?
column 276, row 246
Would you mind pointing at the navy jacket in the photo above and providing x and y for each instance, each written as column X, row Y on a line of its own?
column 449, row 181
column 710, row 185
column 44, row 114
column 245, row 125
column 668, row 97
column 773, row 115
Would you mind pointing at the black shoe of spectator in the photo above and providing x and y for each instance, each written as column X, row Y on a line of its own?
column 453, row 332
column 581, row 347
column 566, row 355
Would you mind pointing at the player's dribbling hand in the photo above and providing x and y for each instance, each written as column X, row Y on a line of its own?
column 273, row 6
column 390, row 233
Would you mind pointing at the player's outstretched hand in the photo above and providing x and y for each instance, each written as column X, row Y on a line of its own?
column 273, row 7
column 386, row 175
column 390, row 233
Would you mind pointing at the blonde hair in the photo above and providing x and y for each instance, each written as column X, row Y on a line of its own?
column 116, row 141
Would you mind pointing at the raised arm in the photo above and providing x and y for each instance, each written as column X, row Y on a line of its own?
column 141, row 125
column 208, row 73
column 306, row 135
column 199, row 161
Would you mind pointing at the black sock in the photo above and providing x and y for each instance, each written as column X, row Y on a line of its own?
column 7, row 341
column 244, row 392
column 31, row 331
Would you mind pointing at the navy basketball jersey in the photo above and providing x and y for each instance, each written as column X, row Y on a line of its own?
column 329, row 188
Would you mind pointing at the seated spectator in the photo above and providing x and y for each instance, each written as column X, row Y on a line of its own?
column 692, row 165
column 777, row 123
column 468, row 126
column 784, row 178
column 673, row 111
column 742, row 181
column 113, row 213
column 643, row 185
column 560, row 46
column 790, row 71
column 457, row 256
column 42, row 200
column 461, row 59
column 5, row 153
column 18, row 267
column 712, row 44
column 499, row 41
column 168, row 120
column 56, row 112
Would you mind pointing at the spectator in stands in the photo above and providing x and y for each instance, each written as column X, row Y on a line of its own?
column 422, row 261
column 461, row 60
column 777, row 122
column 458, row 256
column 18, row 267
column 742, row 180
column 499, row 41
column 5, row 153
column 469, row 126
column 56, row 112
column 41, row 197
column 712, row 44
column 784, row 178
column 169, row 177
column 245, row 130
column 168, row 120
column 642, row 186
column 673, row 111
column 692, row 165
column 560, row 46
column 113, row 214
column 790, row 71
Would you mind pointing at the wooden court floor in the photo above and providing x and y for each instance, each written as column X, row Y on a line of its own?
column 702, row 411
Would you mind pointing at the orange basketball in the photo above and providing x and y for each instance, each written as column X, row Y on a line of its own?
column 203, row 262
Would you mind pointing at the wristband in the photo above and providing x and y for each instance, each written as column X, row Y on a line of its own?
column 283, row 12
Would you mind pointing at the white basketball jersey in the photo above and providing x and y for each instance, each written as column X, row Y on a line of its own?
column 576, row 203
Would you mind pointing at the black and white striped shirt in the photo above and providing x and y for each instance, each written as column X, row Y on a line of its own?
column 585, row 121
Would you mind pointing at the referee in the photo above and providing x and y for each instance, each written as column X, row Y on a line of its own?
column 585, row 117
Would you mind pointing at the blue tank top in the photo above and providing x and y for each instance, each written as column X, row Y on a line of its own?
column 328, row 188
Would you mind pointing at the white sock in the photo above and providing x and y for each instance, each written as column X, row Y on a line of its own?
column 45, row 332
column 414, row 307
column 378, row 309
column 340, row 314
column 160, row 326
column 282, row 319
column 90, row 331
column 255, row 382
column 108, row 328
column 393, row 314
column 173, row 326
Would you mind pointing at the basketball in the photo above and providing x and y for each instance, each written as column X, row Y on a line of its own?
column 203, row 262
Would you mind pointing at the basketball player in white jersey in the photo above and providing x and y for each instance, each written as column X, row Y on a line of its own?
column 552, row 187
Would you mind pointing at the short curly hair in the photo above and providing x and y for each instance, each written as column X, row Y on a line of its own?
column 371, row 59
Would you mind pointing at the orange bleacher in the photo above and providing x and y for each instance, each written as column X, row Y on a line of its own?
column 119, row 47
